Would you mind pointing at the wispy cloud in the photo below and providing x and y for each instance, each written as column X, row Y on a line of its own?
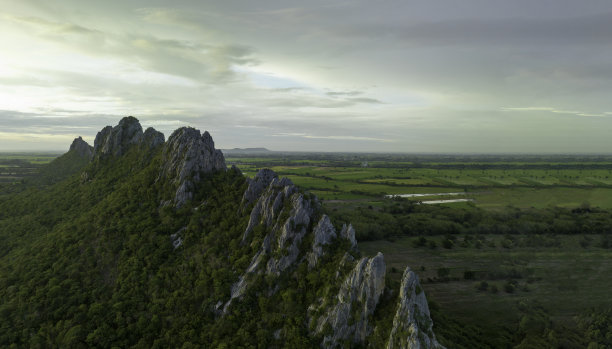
column 190, row 59
column 553, row 110
column 334, row 137
column 344, row 93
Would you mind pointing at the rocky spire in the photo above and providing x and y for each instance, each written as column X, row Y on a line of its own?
column 187, row 155
column 153, row 138
column 81, row 147
column 412, row 325
column 356, row 301
column 116, row 140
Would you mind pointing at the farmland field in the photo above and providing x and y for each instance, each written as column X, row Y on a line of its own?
column 536, row 237
column 484, row 286
column 523, row 182
column 16, row 166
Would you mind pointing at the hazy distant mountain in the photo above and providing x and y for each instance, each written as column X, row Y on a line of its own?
column 245, row 151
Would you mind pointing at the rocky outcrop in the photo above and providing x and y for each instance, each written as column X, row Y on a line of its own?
column 257, row 185
column 270, row 202
column 153, row 138
column 177, row 238
column 80, row 147
column 291, row 234
column 287, row 216
column 116, row 140
column 186, row 156
column 355, row 303
column 348, row 233
column 324, row 234
column 412, row 325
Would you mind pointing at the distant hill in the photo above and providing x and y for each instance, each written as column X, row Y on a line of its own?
column 245, row 151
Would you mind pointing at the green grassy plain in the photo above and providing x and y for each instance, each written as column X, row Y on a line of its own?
column 565, row 279
column 490, row 184
column 489, row 282
column 16, row 166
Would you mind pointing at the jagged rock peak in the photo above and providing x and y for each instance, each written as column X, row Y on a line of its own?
column 81, row 147
column 270, row 199
column 257, row 185
column 357, row 299
column 152, row 138
column 187, row 155
column 324, row 234
column 412, row 324
column 116, row 140
column 286, row 232
column 348, row 233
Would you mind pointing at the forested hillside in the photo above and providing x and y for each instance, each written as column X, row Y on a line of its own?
column 144, row 243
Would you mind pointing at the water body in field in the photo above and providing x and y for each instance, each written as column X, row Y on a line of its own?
column 425, row 194
column 433, row 202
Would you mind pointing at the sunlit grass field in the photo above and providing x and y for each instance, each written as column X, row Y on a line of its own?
column 16, row 166
column 565, row 279
column 551, row 185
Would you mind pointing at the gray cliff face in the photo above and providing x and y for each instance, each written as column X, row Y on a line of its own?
column 81, row 148
column 152, row 138
column 116, row 140
column 324, row 234
column 186, row 156
column 270, row 202
column 412, row 325
column 257, row 185
column 348, row 233
column 289, row 218
column 292, row 232
column 287, row 215
column 356, row 302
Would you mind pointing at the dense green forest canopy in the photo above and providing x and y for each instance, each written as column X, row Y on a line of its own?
column 87, row 260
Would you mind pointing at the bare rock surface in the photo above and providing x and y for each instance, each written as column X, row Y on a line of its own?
column 116, row 140
column 285, row 231
column 348, row 233
column 257, row 185
column 153, row 138
column 288, row 218
column 356, row 302
column 186, row 156
column 324, row 234
column 270, row 203
column 412, row 324
column 291, row 234
column 81, row 148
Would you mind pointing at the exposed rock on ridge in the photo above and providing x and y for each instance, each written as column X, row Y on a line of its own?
column 288, row 217
column 257, row 185
column 270, row 202
column 324, row 234
column 115, row 140
column 81, row 148
column 285, row 231
column 412, row 325
column 356, row 301
column 348, row 233
column 186, row 156
column 153, row 138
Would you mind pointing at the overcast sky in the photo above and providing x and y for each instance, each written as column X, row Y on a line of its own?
column 403, row 76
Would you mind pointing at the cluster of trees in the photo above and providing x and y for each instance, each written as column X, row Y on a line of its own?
column 402, row 217
column 89, row 262
column 86, row 260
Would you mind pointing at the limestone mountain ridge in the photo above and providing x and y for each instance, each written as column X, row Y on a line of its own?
column 158, row 244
